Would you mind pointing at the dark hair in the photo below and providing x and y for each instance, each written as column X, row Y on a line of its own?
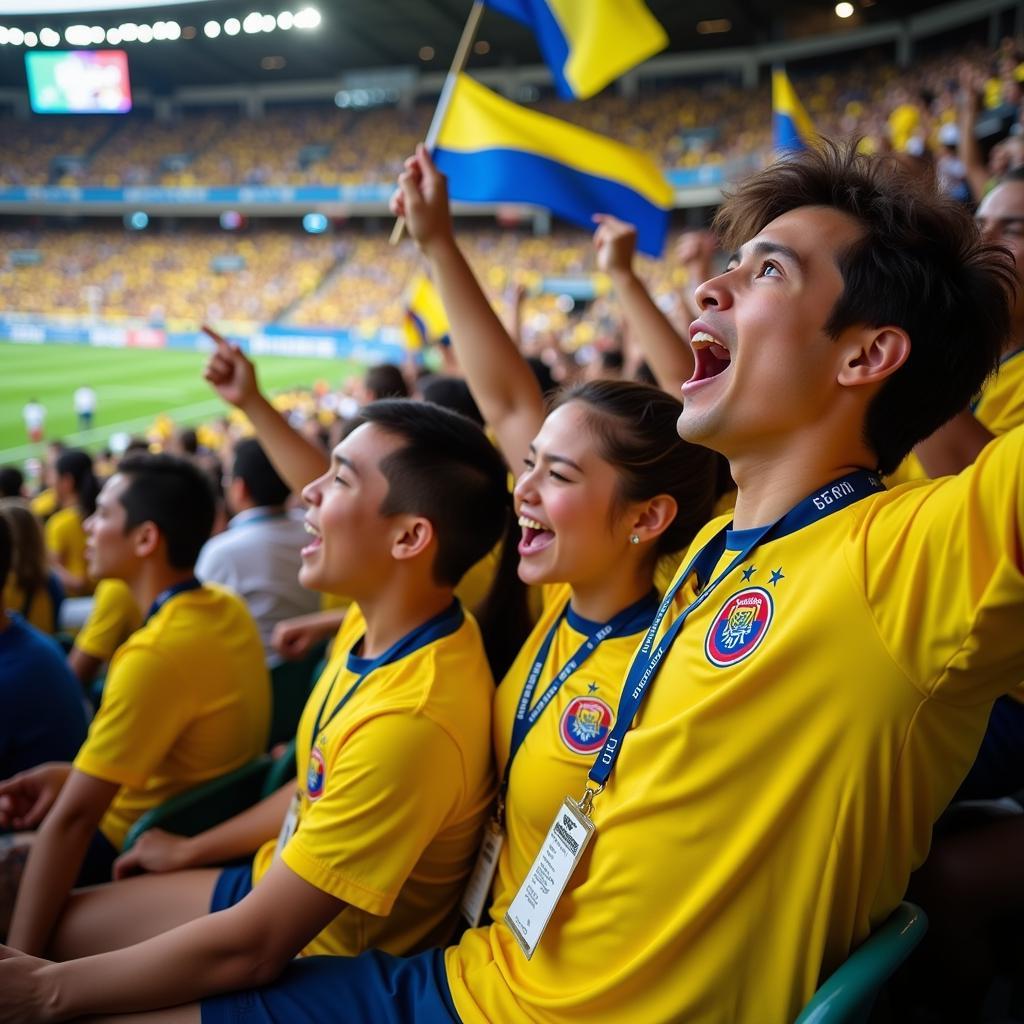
column 542, row 373
column 261, row 480
column 78, row 465
column 448, row 472
column 6, row 548
column 189, row 440
column 11, row 482
column 173, row 494
column 453, row 393
column 29, row 561
column 635, row 428
column 919, row 265
column 1016, row 174
column 385, row 381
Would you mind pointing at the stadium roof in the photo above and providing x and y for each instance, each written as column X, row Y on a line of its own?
column 358, row 34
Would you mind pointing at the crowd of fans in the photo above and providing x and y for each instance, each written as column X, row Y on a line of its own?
column 813, row 721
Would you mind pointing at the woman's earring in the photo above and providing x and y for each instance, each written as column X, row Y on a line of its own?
column 634, row 539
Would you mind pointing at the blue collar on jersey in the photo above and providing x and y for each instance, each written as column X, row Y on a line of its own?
column 441, row 625
column 165, row 595
column 630, row 620
column 646, row 662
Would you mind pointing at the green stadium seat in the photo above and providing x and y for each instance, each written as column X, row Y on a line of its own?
column 848, row 995
column 290, row 683
column 213, row 802
column 280, row 772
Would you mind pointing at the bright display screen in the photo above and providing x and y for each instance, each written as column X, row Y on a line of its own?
column 78, row 82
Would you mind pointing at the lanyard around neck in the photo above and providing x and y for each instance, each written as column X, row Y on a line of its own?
column 648, row 659
column 625, row 623
column 442, row 625
column 165, row 595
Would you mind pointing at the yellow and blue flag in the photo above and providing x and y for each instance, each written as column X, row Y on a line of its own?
column 426, row 322
column 588, row 43
column 792, row 129
column 496, row 151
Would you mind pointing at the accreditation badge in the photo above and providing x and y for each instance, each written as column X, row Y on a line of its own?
column 288, row 826
column 531, row 909
column 478, row 891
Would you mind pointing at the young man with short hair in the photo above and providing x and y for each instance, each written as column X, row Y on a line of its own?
column 187, row 697
column 258, row 555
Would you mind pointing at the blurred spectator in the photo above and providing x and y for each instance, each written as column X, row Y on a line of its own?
column 12, row 482
column 258, row 555
column 34, row 679
column 31, row 588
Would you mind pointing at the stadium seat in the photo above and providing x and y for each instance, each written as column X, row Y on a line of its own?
column 280, row 772
column 290, row 684
column 847, row 996
column 198, row 809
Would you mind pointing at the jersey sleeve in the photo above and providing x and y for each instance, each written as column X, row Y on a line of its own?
column 142, row 713
column 944, row 576
column 393, row 784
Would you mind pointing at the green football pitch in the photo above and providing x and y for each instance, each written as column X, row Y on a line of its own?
column 132, row 386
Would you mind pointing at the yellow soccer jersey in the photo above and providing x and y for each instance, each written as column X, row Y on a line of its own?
column 40, row 611
column 395, row 792
column 1000, row 408
column 187, row 698
column 114, row 617
column 65, row 540
column 559, row 750
column 811, row 721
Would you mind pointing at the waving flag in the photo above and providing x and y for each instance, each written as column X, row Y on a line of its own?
column 792, row 129
column 426, row 322
column 588, row 43
column 495, row 151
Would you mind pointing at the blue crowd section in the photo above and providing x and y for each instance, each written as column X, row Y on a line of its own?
column 271, row 339
column 221, row 196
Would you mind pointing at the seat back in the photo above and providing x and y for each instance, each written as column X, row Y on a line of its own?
column 198, row 809
column 280, row 771
column 290, row 684
column 847, row 996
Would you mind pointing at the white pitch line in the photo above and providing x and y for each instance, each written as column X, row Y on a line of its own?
column 86, row 437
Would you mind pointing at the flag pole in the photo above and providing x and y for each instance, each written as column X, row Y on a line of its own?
column 458, row 64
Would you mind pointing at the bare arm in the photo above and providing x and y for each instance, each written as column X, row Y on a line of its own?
column 233, row 377
column 240, row 836
column 245, row 946
column 499, row 378
column 667, row 354
column 56, row 858
column 85, row 666
column 967, row 140
column 293, row 638
column 954, row 446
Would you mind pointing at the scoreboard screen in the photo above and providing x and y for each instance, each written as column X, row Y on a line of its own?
column 78, row 81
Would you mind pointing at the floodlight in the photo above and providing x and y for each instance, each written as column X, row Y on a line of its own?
column 113, row 36
column 285, row 19
column 253, row 23
column 48, row 37
column 31, row 39
column 308, row 17
column 232, row 26
column 145, row 33
column 211, row 29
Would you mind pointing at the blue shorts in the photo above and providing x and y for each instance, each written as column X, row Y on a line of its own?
column 231, row 887
column 374, row 988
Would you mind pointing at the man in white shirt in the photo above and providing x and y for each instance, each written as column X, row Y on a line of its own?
column 85, row 406
column 34, row 415
column 258, row 555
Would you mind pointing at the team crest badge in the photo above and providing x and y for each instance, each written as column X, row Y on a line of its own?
column 315, row 775
column 739, row 627
column 585, row 724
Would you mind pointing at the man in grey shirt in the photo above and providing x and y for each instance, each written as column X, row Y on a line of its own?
column 258, row 555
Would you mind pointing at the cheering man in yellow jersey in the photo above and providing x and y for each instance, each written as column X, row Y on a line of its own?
column 815, row 687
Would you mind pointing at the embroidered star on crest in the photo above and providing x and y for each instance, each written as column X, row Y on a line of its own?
column 748, row 572
column 776, row 576
column 592, row 688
